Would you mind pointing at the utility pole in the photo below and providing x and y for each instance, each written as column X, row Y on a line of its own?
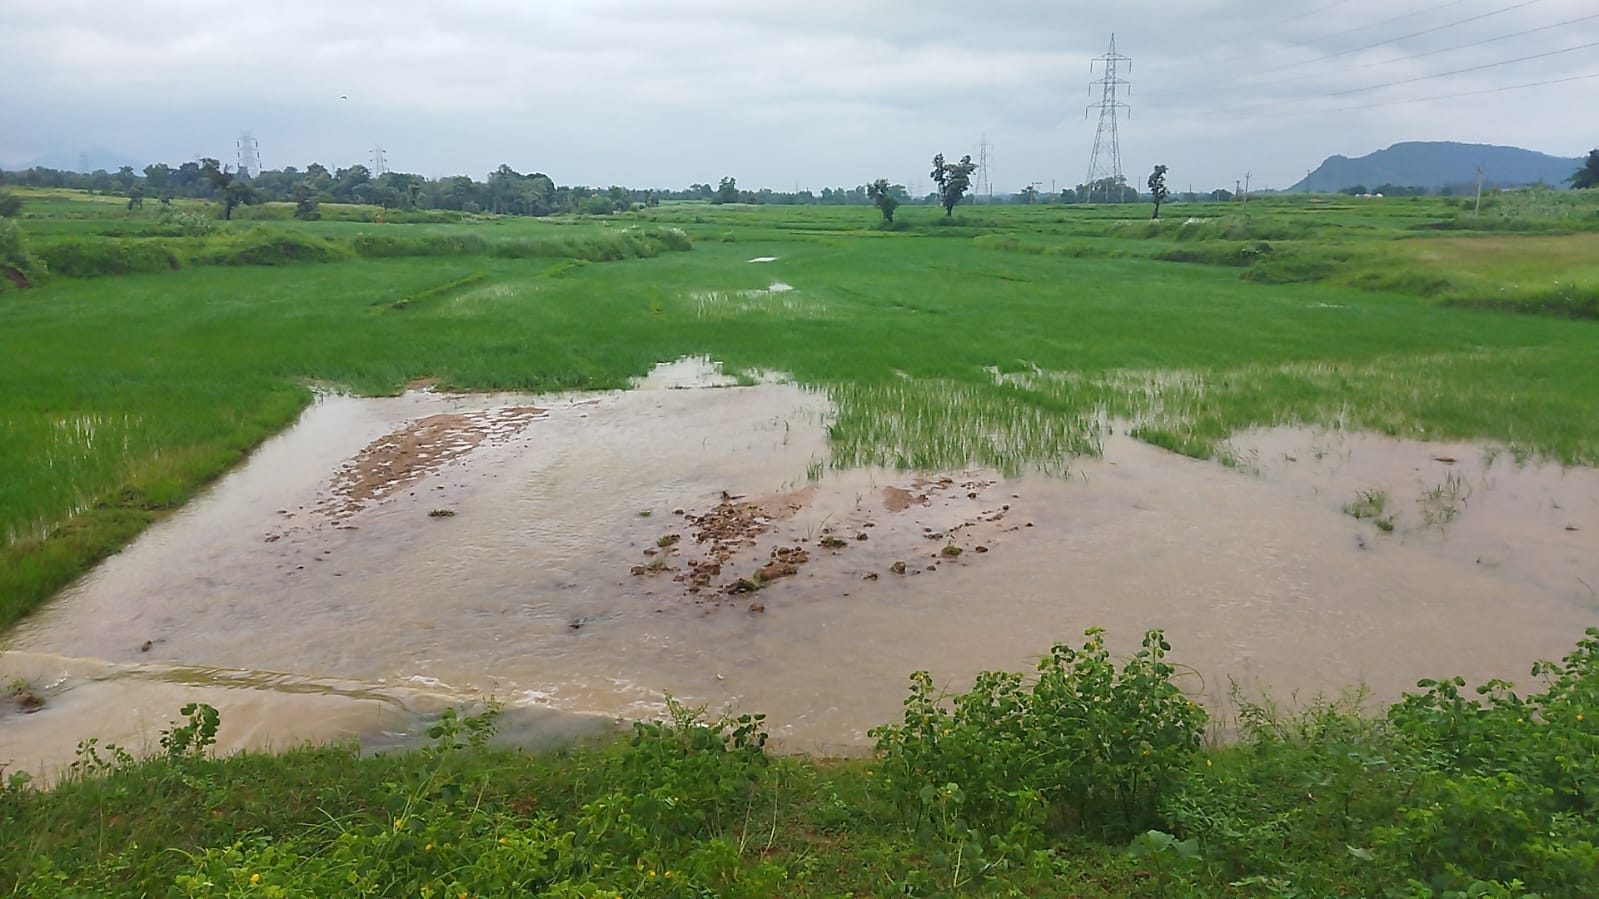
column 1246, row 188
column 1481, row 171
column 380, row 163
column 1106, row 160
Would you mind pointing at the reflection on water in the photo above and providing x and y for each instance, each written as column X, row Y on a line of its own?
column 507, row 570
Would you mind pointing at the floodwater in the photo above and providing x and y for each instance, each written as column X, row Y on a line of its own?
column 578, row 557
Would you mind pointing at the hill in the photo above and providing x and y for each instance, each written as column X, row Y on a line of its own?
column 1437, row 164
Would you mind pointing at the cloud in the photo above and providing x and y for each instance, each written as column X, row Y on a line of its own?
column 779, row 93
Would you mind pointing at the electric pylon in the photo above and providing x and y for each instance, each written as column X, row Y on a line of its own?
column 249, row 155
column 1106, row 162
column 380, row 162
column 985, row 184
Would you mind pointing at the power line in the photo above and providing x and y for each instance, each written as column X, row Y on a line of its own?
column 1399, row 59
column 1359, row 90
column 1248, row 34
column 1476, row 93
column 1364, row 47
column 1490, row 65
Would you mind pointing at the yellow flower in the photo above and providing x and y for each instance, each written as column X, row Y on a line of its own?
column 399, row 822
column 1579, row 716
column 1207, row 763
column 255, row 878
column 428, row 848
column 502, row 841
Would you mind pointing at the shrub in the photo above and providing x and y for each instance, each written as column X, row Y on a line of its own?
column 10, row 205
column 19, row 267
column 92, row 256
column 1085, row 747
column 266, row 246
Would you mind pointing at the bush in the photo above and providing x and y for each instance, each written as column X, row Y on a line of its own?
column 19, row 267
column 171, row 222
column 264, row 246
column 91, row 256
column 10, row 205
column 1085, row 747
column 1490, row 794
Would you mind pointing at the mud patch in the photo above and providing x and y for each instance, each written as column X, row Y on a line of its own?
column 399, row 460
column 809, row 529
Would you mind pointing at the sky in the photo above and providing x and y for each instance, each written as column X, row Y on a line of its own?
column 790, row 94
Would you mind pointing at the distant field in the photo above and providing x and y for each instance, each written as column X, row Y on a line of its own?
column 1003, row 338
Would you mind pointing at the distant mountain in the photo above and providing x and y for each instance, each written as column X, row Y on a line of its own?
column 1436, row 164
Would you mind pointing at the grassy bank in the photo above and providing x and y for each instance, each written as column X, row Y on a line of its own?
column 1089, row 777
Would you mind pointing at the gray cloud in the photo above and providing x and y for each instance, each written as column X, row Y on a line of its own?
column 779, row 93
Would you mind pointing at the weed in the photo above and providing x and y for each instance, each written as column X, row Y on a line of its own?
column 197, row 734
column 1368, row 503
column 1442, row 503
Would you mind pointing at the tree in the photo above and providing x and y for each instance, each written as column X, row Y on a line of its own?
column 237, row 193
column 1157, row 188
column 307, row 207
column 726, row 191
column 1588, row 175
column 953, row 180
column 883, row 195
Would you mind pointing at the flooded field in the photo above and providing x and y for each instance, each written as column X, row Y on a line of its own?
column 577, row 557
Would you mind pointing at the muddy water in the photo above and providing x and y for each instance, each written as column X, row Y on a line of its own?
column 577, row 557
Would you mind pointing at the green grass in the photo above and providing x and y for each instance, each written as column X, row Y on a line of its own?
column 941, row 345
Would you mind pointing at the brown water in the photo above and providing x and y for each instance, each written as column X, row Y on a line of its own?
column 311, row 594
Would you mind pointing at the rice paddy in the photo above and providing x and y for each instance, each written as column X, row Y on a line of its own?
column 1011, row 338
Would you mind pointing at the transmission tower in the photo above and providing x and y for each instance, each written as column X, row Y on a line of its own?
column 380, row 163
column 249, row 155
column 985, row 184
column 1106, row 161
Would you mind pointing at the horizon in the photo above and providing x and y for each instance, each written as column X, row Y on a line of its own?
column 792, row 97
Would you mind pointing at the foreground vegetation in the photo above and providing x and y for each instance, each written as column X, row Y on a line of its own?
column 1088, row 778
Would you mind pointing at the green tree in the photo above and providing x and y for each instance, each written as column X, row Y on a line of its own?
column 883, row 196
column 1588, row 175
column 307, row 207
column 726, row 191
column 953, row 180
column 1157, row 188
column 10, row 205
column 157, row 176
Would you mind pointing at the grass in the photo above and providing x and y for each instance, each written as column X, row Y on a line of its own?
column 1012, row 338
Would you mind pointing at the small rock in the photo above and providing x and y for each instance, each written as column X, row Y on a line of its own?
column 897, row 568
column 145, row 646
column 757, row 608
column 979, row 549
column 870, row 576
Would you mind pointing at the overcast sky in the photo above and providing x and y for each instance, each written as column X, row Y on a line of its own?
column 784, row 93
